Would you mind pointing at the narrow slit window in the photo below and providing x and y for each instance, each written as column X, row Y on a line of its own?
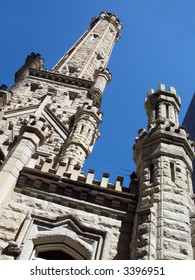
column 151, row 173
column 167, row 111
column 68, row 164
column 82, row 128
column 172, row 168
column 89, row 132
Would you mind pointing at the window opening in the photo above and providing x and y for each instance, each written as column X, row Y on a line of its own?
column 89, row 132
column 82, row 128
column 72, row 69
column 172, row 168
column 151, row 172
column 156, row 112
column 68, row 164
column 54, row 255
column 167, row 111
column 34, row 86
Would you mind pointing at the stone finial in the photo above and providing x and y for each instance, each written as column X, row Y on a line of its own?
column 150, row 91
column 161, row 87
column 172, row 90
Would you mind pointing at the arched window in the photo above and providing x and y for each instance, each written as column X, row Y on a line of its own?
column 54, row 255
column 63, row 238
column 50, row 249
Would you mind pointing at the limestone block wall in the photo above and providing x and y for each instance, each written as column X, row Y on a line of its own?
column 21, row 206
column 53, row 101
column 163, row 215
column 163, row 225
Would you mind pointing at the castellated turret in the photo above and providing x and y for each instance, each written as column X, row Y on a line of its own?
column 163, row 154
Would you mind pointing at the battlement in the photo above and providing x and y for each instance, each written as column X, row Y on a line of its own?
column 162, row 87
column 78, row 191
column 168, row 129
column 78, row 175
column 171, row 92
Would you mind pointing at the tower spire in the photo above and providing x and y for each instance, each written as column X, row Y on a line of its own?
column 92, row 50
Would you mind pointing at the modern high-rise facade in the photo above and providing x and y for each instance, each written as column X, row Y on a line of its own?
column 49, row 209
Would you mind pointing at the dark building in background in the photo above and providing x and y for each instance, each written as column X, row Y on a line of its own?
column 189, row 123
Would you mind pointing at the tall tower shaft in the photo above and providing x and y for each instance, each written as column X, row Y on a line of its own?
column 54, row 115
column 92, row 50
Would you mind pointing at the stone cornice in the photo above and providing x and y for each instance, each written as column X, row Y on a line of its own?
column 66, row 192
column 168, row 135
column 60, row 78
column 20, row 111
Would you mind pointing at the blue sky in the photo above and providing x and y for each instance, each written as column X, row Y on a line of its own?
column 157, row 46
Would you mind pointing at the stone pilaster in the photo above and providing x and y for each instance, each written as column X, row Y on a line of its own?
column 14, row 164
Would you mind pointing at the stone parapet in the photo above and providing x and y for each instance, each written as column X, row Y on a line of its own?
column 77, row 177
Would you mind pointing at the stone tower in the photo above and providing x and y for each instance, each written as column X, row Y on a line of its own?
column 49, row 209
column 163, row 154
column 49, row 124
column 50, row 119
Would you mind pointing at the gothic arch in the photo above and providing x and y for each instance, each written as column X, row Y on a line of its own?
column 65, row 241
column 64, row 234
